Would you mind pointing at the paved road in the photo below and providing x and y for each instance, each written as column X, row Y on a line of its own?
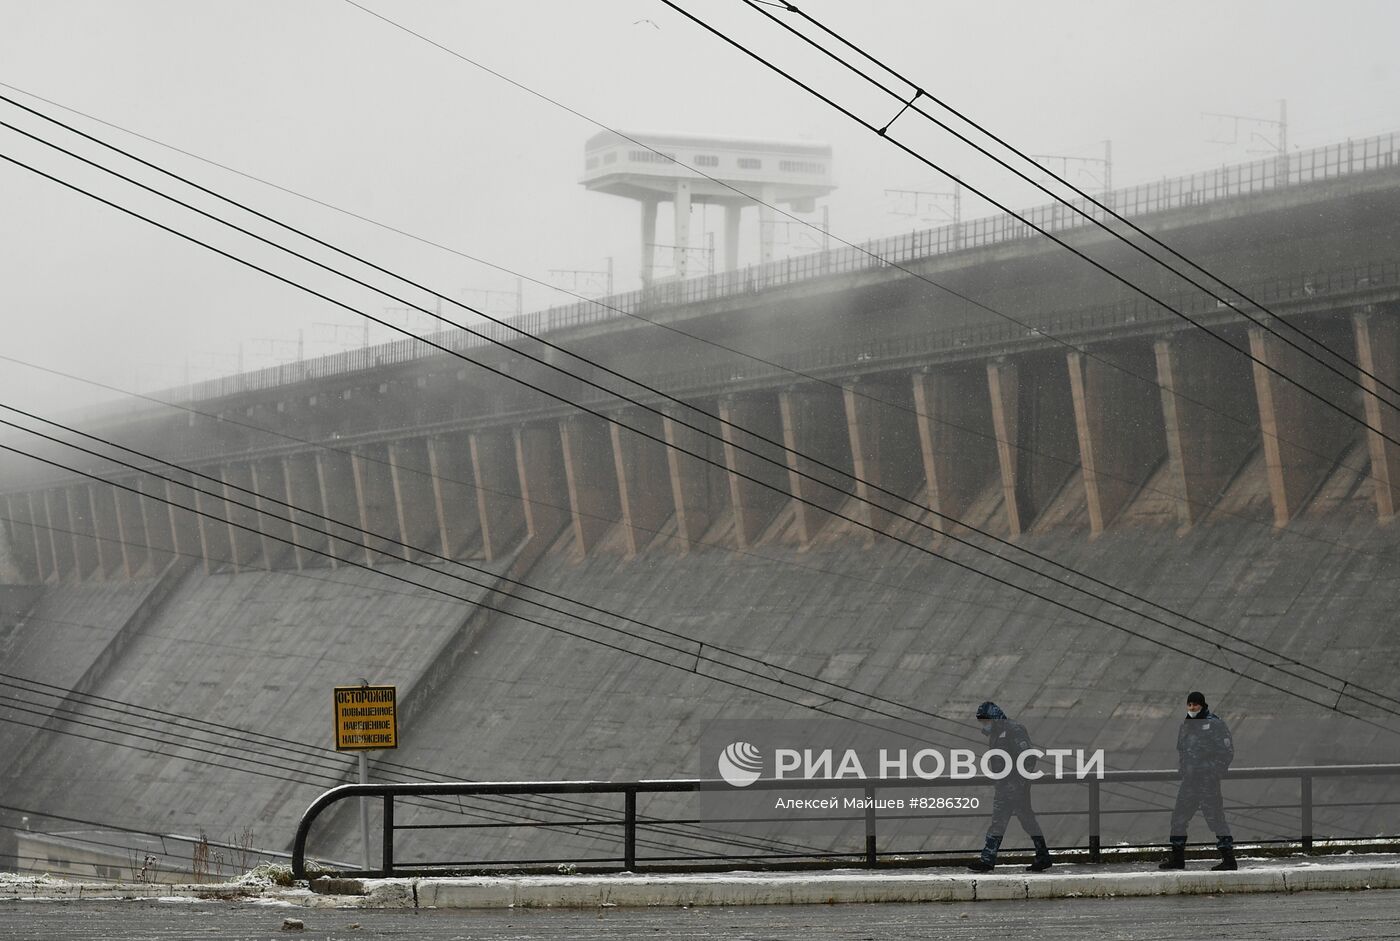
column 1324, row 916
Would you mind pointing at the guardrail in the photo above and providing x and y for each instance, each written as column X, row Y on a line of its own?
column 629, row 822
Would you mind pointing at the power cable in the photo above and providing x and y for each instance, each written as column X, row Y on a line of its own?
column 155, row 751
column 913, row 105
column 855, row 390
column 244, row 733
column 118, row 828
column 815, row 707
column 717, row 647
column 326, row 780
column 659, row 825
column 392, row 591
column 241, row 734
column 432, row 772
column 702, row 173
column 875, row 257
column 292, row 508
column 612, row 419
column 698, row 653
column 688, row 655
column 431, row 313
column 181, row 741
column 247, row 733
column 1046, row 233
column 317, row 761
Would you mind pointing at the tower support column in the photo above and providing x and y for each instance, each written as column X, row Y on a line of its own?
column 957, row 444
column 813, row 426
column 590, row 473
column 643, row 480
column 754, row 504
column 1302, row 437
column 696, row 488
column 543, row 489
column 1118, row 420
column 1378, row 353
column 501, row 501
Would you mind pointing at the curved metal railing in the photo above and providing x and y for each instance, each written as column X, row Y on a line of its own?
column 629, row 821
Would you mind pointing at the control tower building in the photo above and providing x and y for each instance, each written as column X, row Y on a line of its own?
column 765, row 173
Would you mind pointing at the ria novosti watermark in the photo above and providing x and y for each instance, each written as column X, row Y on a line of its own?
column 815, row 781
column 741, row 764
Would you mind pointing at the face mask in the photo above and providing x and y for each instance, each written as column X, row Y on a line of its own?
column 1192, row 713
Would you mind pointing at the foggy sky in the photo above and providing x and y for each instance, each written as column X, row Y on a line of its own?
column 323, row 99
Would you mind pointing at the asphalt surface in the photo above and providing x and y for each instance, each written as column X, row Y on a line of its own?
column 1310, row 916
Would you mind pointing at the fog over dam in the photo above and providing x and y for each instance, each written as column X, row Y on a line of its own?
column 1148, row 458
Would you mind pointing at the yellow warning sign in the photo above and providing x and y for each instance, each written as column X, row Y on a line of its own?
column 365, row 718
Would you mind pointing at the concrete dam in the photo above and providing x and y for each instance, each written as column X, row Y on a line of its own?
column 868, row 440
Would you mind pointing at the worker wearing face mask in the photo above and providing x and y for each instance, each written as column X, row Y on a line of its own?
column 1012, row 794
column 1204, row 752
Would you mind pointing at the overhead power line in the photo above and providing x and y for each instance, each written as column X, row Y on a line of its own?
column 247, row 734
column 818, row 709
column 691, row 659
column 119, row 828
column 644, row 433
column 613, row 419
column 699, row 655
column 919, row 92
column 1046, row 233
column 702, row 173
column 228, row 738
column 776, row 560
column 672, row 328
column 409, row 549
column 670, row 158
column 318, row 765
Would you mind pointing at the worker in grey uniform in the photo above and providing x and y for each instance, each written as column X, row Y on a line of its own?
column 1204, row 752
column 1012, row 794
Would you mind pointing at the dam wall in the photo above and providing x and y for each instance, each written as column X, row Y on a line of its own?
column 842, row 490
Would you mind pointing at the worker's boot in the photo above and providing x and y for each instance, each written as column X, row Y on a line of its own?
column 1042, row 860
column 988, row 859
column 1176, row 858
column 1226, row 844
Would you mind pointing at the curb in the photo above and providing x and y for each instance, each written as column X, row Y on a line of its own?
column 58, row 890
column 736, row 889
column 837, row 888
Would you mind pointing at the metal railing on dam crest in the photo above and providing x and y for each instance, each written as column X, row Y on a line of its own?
column 1193, row 190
